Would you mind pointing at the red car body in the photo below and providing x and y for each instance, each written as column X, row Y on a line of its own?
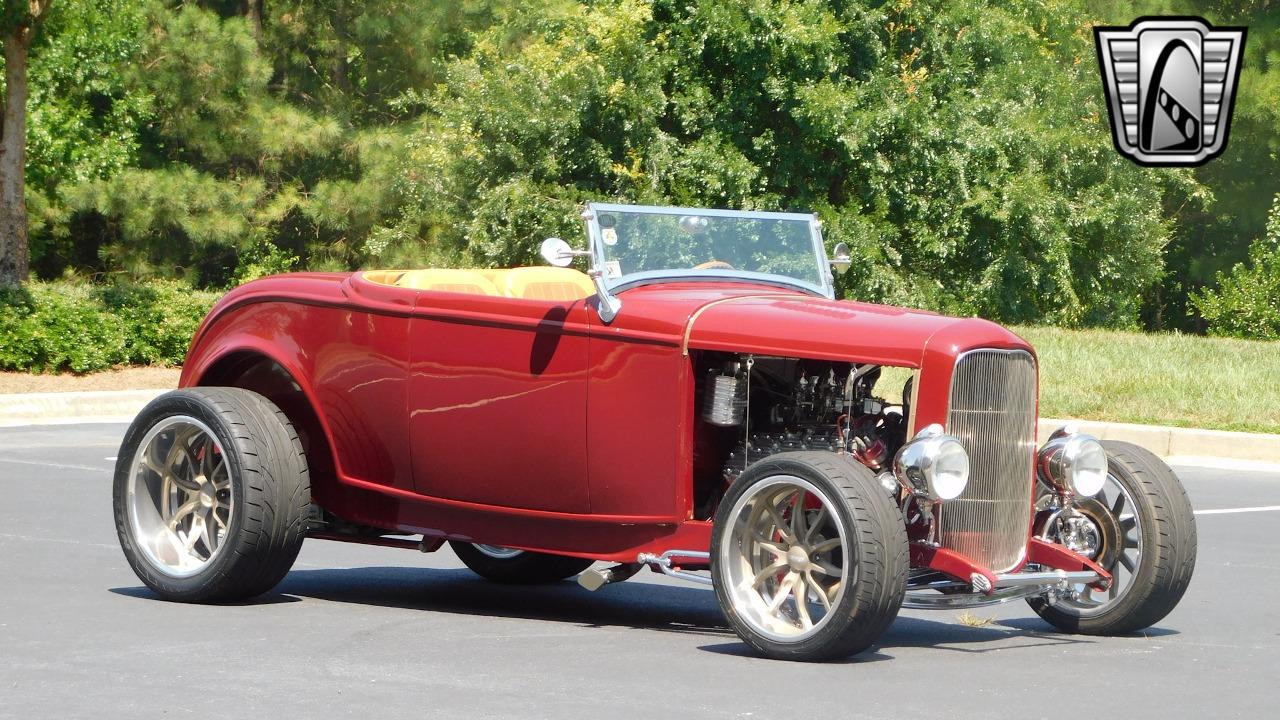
column 530, row 423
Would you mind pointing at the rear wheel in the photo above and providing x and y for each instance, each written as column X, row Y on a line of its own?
column 211, row 494
column 508, row 565
column 1141, row 529
column 808, row 557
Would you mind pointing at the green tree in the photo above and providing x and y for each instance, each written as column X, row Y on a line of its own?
column 86, row 123
column 1246, row 302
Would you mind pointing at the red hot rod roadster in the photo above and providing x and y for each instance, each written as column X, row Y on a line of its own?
column 696, row 403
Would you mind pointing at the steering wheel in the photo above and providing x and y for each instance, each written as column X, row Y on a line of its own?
column 714, row 265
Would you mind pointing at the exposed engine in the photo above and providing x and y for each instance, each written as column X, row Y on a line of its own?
column 754, row 407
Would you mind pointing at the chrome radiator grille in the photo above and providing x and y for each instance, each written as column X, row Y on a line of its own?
column 992, row 411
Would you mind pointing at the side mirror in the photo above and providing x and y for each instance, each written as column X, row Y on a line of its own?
column 840, row 258
column 558, row 253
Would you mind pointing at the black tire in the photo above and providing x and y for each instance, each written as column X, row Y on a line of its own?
column 876, row 533
column 1168, row 551
column 269, row 497
column 524, row 568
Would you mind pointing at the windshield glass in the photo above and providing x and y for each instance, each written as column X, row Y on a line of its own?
column 638, row 243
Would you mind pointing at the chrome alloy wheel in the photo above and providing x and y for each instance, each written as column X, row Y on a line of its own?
column 786, row 558
column 1108, row 530
column 179, row 496
column 498, row 552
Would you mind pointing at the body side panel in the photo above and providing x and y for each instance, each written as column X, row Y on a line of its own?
column 498, row 401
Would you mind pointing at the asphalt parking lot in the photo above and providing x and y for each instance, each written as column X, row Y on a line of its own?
column 371, row 632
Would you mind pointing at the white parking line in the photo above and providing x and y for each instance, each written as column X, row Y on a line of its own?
column 1214, row 463
column 1228, row 511
column 55, row 465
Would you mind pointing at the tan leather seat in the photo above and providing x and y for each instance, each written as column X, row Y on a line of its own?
column 448, row 280
column 530, row 283
column 544, row 283
column 383, row 277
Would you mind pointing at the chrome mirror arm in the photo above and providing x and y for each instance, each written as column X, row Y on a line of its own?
column 609, row 304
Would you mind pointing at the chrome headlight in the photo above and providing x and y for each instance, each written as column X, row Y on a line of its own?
column 1074, row 462
column 934, row 465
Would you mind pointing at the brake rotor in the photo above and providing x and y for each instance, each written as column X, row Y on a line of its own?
column 1107, row 526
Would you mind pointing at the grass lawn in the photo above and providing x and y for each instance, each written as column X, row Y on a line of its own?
column 1163, row 379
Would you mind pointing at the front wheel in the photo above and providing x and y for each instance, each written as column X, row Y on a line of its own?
column 1141, row 529
column 508, row 565
column 809, row 557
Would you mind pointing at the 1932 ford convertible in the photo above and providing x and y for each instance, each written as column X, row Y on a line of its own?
column 696, row 403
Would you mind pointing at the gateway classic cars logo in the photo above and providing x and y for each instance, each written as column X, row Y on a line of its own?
column 1170, row 83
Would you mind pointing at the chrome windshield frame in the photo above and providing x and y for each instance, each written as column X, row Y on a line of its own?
column 591, row 220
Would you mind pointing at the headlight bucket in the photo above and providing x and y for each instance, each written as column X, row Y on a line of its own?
column 1073, row 462
column 933, row 465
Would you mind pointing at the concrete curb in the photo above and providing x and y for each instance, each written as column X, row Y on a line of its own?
column 122, row 405
column 1178, row 442
column 73, row 407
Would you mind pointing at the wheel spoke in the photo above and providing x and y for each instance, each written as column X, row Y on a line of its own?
column 183, row 511
column 208, row 534
column 175, row 448
column 826, row 568
column 826, row 545
column 767, row 572
column 206, row 457
column 218, row 475
column 189, row 538
column 185, row 480
column 816, row 523
column 819, row 591
column 149, row 463
column 799, row 528
column 1128, row 562
column 774, row 548
column 1119, row 504
column 784, row 591
column 193, row 465
column 834, row 590
column 779, row 523
column 802, row 604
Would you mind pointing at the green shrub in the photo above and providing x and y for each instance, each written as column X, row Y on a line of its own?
column 81, row 327
column 1247, row 301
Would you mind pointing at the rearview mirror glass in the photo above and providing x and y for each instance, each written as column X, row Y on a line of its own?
column 557, row 252
column 840, row 258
